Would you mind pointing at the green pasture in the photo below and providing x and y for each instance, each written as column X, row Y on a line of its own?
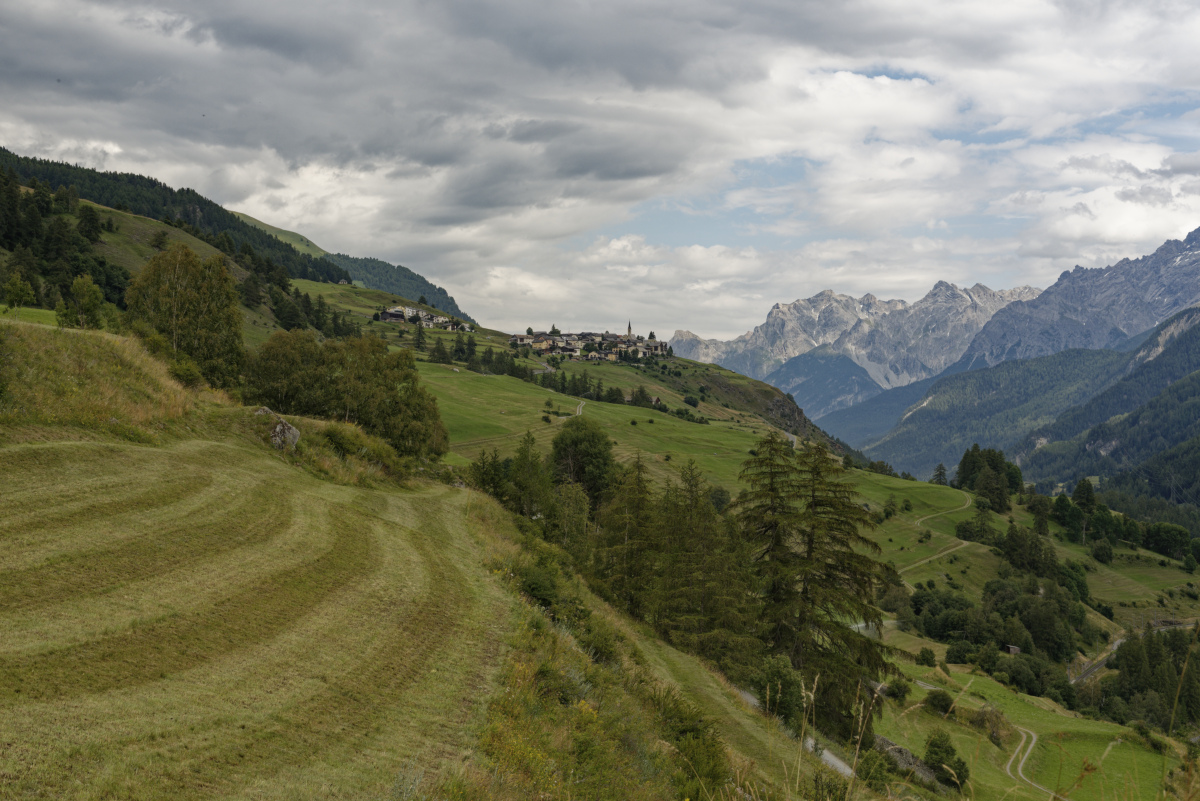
column 298, row 241
column 27, row 314
column 1126, row 767
column 130, row 245
column 494, row 412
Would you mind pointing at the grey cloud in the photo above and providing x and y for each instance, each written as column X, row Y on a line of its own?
column 1146, row 195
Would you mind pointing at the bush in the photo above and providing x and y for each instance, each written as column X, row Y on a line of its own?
column 927, row 658
column 960, row 652
column 185, row 371
column 1102, row 552
column 540, row 584
column 899, row 689
column 350, row 440
column 874, row 768
column 939, row 701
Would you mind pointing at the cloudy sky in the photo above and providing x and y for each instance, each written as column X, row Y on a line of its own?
column 685, row 165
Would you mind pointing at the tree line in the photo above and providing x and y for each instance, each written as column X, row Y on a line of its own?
column 762, row 587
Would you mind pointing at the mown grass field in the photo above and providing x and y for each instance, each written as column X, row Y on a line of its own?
column 186, row 614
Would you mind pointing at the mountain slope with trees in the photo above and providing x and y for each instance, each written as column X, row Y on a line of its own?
column 149, row 197
column 1171, row 353
column 997, row 406
column 399, row 280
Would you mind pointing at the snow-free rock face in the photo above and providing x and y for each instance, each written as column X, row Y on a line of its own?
column 790, row 330
column 891, row 342
column 1095, row 308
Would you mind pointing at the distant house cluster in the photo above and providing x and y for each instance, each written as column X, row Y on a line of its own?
column 407, row 313
column 591, row 346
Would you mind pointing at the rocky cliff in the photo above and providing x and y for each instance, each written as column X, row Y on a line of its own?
column 833, row 350
column 1097, row 308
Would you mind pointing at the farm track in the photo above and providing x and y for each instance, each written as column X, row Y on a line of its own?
column 360, row 634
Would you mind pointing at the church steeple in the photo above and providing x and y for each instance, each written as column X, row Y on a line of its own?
column 629, row 330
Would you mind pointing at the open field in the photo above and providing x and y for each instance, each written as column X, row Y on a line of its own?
column 486, row 412
column 130, row 245
column 161, row 606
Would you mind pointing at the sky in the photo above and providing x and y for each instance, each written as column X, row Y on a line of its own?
column 680, row 165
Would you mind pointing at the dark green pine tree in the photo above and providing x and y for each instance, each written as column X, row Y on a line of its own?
column 622, row 559
column 702, row 599
column 419, row 339
column 838, row 581
column 939, row 475
column 89, row 223
column 439, row 354
column 768, row 512
column 993, row 486
column 459, row 352
column 1084, row 496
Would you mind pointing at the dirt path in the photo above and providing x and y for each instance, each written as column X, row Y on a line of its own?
column 937, row 555
column 966, row 503
column 579, row 409
column 1033, row 738
column 1015, row 754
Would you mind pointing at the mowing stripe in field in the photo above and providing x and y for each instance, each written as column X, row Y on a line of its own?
column 370, row 644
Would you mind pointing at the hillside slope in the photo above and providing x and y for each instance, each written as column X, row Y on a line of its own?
column 151, row 198
column 1170, row 353
column 995, row 407
column 187, row 613
column 399, row 280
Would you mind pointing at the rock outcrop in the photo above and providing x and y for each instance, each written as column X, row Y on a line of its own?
column 1097, row 308
column 283, row 434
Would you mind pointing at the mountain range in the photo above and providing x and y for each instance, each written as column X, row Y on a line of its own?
column 834, row 351
column 831, row 351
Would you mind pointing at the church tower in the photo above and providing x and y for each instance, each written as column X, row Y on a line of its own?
column 629, row 330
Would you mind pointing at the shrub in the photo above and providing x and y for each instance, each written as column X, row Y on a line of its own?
column 927, row 658
column 960, row 652
column 939, row 701
column 874, row 768
column 540, row 584
column 899, row 689
column 185, row 371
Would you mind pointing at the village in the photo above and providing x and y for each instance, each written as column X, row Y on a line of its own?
column 412, row 314
column 591, row 346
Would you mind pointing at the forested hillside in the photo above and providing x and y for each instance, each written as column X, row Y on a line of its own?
column 399, row 280
column 184, row 207
column 995, row 406
column 867, row 422
column 1171, row 353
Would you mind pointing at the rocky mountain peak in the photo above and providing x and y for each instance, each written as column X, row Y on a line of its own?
column 1095, row 308
column 885, row 343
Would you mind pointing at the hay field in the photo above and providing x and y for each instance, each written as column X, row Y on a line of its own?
column 201, row 620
